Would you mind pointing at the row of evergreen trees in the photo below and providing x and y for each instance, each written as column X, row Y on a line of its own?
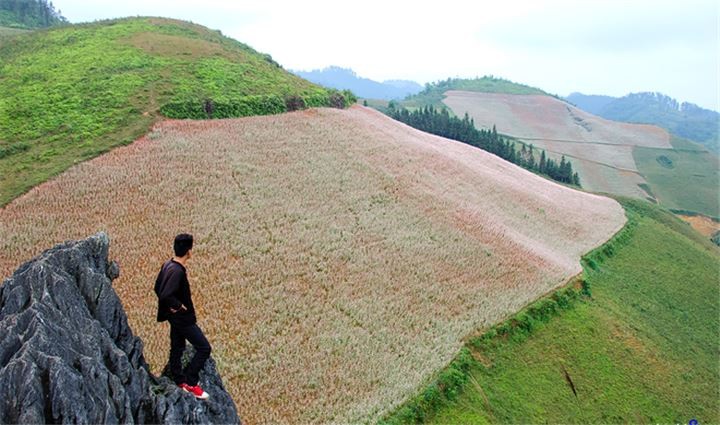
column 439, row 122
column 29, row 14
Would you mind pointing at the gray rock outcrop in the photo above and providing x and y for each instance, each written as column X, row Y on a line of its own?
column 67, row 354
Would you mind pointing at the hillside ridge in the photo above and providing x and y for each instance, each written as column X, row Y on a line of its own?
column 347, row 79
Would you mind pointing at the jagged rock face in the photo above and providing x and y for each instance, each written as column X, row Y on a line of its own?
column 67, row 354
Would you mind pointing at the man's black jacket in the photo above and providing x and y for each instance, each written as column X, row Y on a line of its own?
column 173, row 290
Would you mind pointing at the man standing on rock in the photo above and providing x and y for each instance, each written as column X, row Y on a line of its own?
column 175, row 305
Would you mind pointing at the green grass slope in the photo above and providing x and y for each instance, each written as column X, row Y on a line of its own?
column 685, row 178
column 642, row 348
column 433, row 93
column 70, row 93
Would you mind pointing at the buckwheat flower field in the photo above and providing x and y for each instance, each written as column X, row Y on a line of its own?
column 340, row 257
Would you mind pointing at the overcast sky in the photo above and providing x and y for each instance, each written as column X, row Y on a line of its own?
column 609, row 47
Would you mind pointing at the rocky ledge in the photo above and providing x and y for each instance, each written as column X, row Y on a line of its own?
column 67, row 354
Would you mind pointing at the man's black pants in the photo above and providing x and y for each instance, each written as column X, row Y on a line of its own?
column 194, row 335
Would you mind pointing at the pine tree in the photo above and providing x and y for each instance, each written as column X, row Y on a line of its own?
column 30, row 13
column 531, row 159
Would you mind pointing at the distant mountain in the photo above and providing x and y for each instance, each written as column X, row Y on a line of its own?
column 410, row 86
column 682, row 119
column 29, row 14
column 592, row 103
column 344, row 78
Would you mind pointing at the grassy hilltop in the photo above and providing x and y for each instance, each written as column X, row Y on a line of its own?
column 70, row 93
column 434, row 93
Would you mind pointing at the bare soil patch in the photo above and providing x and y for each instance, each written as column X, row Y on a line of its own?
column 704, row 225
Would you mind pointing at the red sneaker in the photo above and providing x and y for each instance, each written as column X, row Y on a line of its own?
column 195, row 390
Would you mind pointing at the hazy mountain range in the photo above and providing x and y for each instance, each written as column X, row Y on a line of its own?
column 344, row 78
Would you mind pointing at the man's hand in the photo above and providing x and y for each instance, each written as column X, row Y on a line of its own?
column 182, row 308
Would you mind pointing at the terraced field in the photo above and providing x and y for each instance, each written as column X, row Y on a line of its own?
column 340, row 259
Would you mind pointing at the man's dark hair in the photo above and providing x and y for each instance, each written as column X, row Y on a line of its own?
column 183, row 244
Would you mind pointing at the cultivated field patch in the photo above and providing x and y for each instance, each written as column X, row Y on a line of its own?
column 616, row 156
column 602, row 151
column 598, row 177
column 545, row 117
column 340, row 257
column 601, row 178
